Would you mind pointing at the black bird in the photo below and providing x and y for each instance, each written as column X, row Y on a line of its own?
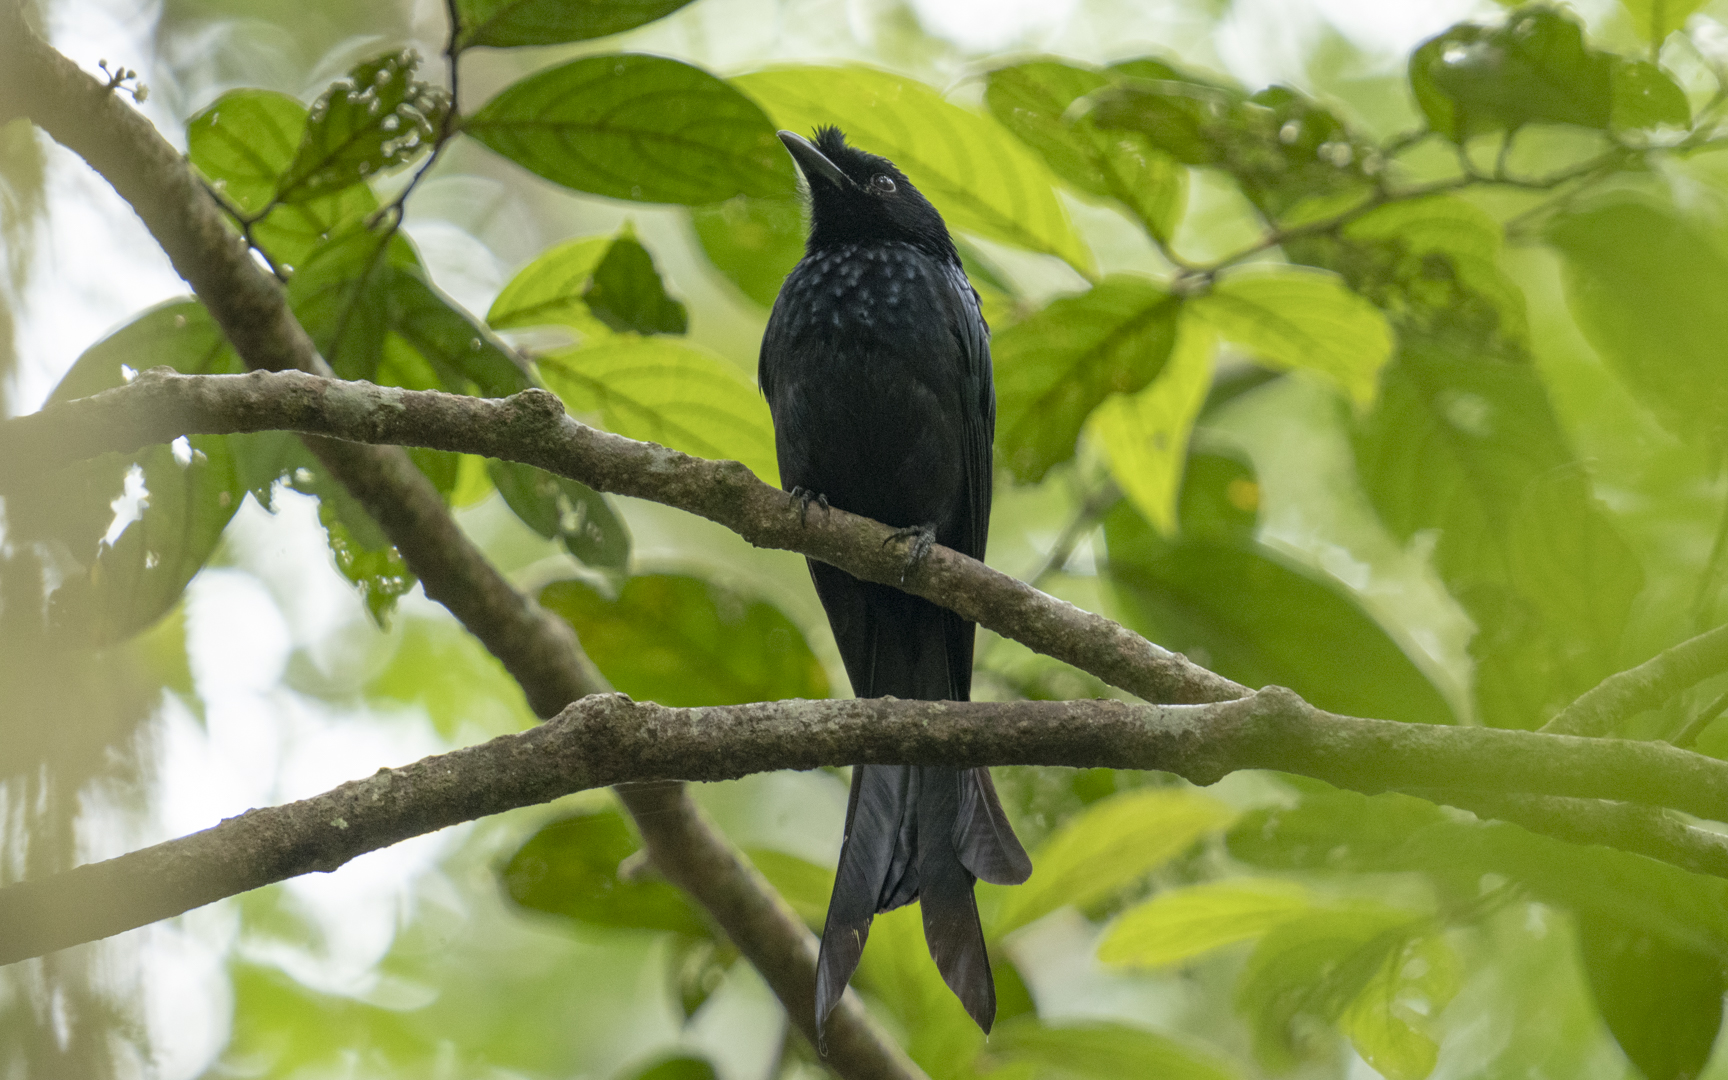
column 876, row 366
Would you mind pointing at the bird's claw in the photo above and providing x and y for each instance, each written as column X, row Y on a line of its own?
column 922, row 538
column 803, row 496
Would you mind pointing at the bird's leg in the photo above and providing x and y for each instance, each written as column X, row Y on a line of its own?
column 804, row 497
column 922, row 538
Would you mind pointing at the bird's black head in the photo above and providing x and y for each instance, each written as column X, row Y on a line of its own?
column 857, row 197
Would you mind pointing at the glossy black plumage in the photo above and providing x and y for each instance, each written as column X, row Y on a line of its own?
column 876, row 365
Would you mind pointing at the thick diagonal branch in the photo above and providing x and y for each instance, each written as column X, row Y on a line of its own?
column 537, row 649
column 608, row 739
column 531, row 427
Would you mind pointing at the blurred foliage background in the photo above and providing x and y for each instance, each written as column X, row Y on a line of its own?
column 1374, row 350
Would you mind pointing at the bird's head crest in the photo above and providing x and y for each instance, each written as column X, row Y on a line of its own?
column 860, row 197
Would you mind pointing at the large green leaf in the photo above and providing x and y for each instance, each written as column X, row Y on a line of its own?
column 1534, row 69
column 1033, row 100
column 636, row 127
column 683, row 641
column 1180, row 924
column 1112, row 843
column 504, row 23
column 561, row 509
column 1645, row 283
column 1391, row 1022
column 1056, row 367
column 379, row 117
column 243, row 144
column 1100, row 1050
column 549, row 291
column 189, row 491
column 669, row 393
column 570, row 868
column 981, row 180
column 1248, row 613
column 1146, row 434
column 1300, row 318
column 755, row 243
column 1663, row 1003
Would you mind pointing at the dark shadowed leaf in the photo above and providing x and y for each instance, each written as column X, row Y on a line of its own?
column 1245, row 611
column 975, row 173
column 626, row 293
column 1103, row 1051
column 380, row 117
column 504, row 23
column 1033, row 100
column 755, row 243
column 1534, row 69
column 342, row 297
column 467, row 358
column 636, row 127
column 1056, row 367
column 561, row 509
column 1645, row 283
column 683, row 641
column 678, row 1068
column 570, row 868
column 1663, row 1003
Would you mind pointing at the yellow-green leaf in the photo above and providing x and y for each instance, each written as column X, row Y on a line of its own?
column 1297, row 317
column 548, row 291
column 980, row 178
column 1180, row 924
column 1110, row 844
column 1389, row 1020
column 669, row 393
column 1656, row 19
column 1146, row 434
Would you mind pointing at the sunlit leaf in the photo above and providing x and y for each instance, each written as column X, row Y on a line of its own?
column 570, row 868
column 504, row 23
column 1656, row 19
column 379, row 117
column 1300, row 318
column 974, row 172
column 755, row 243
column 1056, row 367
column 1111, row 844
column 1033, row 100
column 1103, row 1051
column 636, row 127
column 1146, row 434
column 244, row 142
column 683, row 641
column 561, row 509
column 1180, row 924
column 1663, row 1004
column 1391, row 1021
column 549, row 290
column 669, row 393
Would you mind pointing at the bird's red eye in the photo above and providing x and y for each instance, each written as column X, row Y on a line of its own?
column 882, row 184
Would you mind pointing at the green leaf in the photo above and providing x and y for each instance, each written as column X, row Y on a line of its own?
column 1055, row 368
column 439, row 667
column 896, row 970
column 463, row 353
column 1247, row 612
column 1180, row 924
column 1312, row 968
column 549, row 290
column 678, row 1068
column 669, row 393
column 570, row 869
column 626, row 292
column 561, row 509
column 1645, row 283
column 363, row 553
column 504, row 23
column 1644, row 96
column 636, row 127
column 342, row 297
column 683, row 641
column 1534, row 69
column 1391, row 1020
column 379, row 117
column 1112, row 843
column 755, row 243
column 1663, row 1003
column 1033, row 101
column 800, row 883
column 244, row 142
column 1656, row 19
column 1103, row 1051
column 1302, row 318
column 980, row 179
column 1146, row 434
column 122, row 588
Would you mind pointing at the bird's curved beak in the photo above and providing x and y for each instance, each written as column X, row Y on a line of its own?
column 812, row 161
